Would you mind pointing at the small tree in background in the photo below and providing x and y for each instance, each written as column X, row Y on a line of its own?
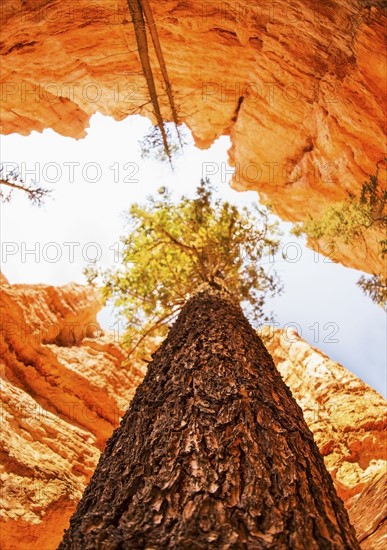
column 349, row 219
column 375, row 287
column 348, row 222
column 12, row 181
column 174, row 247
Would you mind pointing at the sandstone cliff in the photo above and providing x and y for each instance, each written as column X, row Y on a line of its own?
column 64, row 386
column 297, row 86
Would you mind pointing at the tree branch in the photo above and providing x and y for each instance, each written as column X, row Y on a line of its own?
column 162, row 321
column 160, row 57
column 136, row 13
column 35, row 194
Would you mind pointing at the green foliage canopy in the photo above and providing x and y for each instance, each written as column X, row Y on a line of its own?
column 172, row 248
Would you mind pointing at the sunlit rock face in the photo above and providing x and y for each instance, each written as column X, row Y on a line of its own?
column 297, row 86
column 65, row 385
column 348, row 420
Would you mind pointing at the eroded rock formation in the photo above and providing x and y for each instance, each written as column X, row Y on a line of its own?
column 297, row 86
column 64, row 386
column 61, row 398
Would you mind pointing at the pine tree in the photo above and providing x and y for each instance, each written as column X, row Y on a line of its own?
column 213, row 451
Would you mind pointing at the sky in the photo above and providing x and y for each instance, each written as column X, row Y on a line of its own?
column 94, row 181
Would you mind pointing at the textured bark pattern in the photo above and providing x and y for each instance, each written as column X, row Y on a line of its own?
column 212, row 453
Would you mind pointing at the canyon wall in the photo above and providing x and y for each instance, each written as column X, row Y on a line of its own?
column 297, row 86
column 65, row 385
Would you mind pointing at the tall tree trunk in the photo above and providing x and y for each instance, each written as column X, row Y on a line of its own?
column 212, row 453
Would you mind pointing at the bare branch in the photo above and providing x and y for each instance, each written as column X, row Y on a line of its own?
column 160, row 57
column 13, row 181
column 162, row 321
column 136, row 13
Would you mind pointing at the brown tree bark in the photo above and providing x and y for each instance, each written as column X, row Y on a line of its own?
column 212, row 453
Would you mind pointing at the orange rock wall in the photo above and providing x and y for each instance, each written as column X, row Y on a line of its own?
column 297, row 86
column 64, row 386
